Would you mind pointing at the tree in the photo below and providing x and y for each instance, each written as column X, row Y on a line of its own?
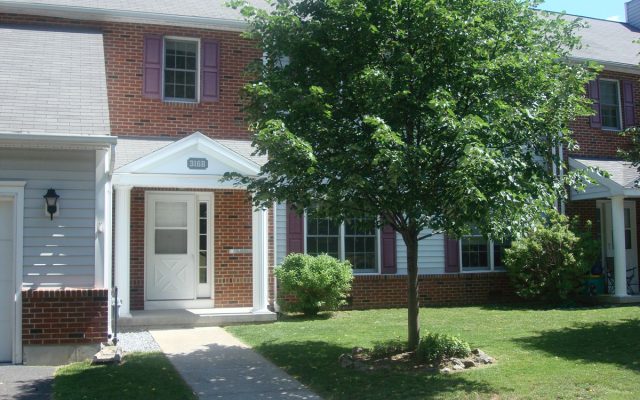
column 432, row 114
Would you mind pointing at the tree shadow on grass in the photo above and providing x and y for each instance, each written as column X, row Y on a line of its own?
column 315, row 364
column 610, row 343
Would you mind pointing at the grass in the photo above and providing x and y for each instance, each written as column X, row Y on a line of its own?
column 541, row 354
column 140, row 376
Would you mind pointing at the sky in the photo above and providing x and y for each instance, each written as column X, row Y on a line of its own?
column 604, row 9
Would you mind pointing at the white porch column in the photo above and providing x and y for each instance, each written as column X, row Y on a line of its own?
column 122, row 247
column 619, row 256
column 260, row 239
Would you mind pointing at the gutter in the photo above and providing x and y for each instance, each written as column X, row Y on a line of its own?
column 610, row 65
column 46, row 140
column 111, row 15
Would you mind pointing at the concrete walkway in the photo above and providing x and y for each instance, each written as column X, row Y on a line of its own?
column 22, row 382
column 218, row 366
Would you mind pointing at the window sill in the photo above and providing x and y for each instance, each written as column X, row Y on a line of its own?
column 616, row 130
column 180, row 102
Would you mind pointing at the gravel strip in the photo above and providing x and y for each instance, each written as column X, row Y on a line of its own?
column 137, row 341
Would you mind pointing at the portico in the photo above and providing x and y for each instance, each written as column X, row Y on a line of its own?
column 185, row 239
column 615, row 190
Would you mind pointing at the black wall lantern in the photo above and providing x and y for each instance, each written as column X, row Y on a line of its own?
column 51, row 199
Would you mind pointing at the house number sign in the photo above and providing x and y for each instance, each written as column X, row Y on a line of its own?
column 197, row 163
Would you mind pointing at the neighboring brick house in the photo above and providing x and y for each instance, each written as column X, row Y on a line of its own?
column 131, row 111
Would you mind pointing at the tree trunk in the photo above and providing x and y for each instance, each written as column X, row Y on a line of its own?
column 411, row 241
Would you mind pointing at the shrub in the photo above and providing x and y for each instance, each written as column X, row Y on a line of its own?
column 310, row 284
column 434, row 347
column 551, row 262
column 388, row 348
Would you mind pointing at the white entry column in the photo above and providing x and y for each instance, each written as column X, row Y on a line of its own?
column 122, row 247
column 260, row 250
column 619, row 254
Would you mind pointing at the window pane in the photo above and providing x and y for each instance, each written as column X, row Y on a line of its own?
column 190, row 92
column 609, row 104
column 203, row 242
column 191, row 62
column 360, row 243
column 169, row 91
column 475, row 253
column 180, row 69
column 203, row 258
column 203, row 275
column 498, row 254
column 171, row 241
column 171, row 214
column 203, row 226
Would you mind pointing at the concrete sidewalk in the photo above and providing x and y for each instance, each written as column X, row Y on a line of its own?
column 218, row 366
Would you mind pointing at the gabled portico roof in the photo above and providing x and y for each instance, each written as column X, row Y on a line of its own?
column 196, row 161
column 623, row 179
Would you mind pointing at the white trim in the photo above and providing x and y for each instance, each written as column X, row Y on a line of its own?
column 613, row 188
column 491, row 257
column 15, row 190
column 177, row 304
column 123, row 249
column 619, row 97
column 56, row 141
column 342, row 251
column 196, row 140
column 609, row 65
column 101, row 14
column 260, row 260
column 176, row 181
column 198, row 69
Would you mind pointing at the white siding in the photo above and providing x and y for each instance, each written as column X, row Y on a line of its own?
column 430, row 255
column 281, row 232
column 58, row 253
column 430, row 251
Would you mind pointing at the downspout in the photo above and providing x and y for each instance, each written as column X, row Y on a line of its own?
column 561, row 173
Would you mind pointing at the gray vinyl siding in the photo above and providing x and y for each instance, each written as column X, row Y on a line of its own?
column 58, row 253
column 430, row 251
column 430, row 255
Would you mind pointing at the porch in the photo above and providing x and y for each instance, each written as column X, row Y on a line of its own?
column 190, row 249
column 610, row 202
column 191, row 317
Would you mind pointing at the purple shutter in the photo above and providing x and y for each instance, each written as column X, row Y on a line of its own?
column 295, row 232
column 152, row 67
column 389, row 265
column 594, row 95
column 629, row 110
column 210, row 73
column 451, row 255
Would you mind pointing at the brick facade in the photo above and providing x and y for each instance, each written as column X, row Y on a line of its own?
column 389, row 291
column 232, row 229
column 71, row 316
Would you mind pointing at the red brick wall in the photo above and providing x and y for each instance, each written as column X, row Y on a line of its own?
column 586, row 211
column 387, row 291
column 232, row 222
column 66, row 316
column 131, row 114
column 596, row 142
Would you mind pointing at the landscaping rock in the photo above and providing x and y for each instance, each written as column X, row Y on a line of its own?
column 346, row 361
column 108, row 354
column 469, row 363
column 457, row 362
column 445, row 370
column 458, row 367
column 357, row 350
column 485, row 359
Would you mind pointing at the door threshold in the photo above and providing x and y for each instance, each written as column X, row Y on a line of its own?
column 177, row 304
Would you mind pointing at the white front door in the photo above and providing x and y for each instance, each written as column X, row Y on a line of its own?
column 630, row 235
column 7, row 284
column 171, row 257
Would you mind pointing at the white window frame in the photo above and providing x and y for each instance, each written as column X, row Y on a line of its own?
column 198, row 72
column 208, row 199
column 341, row 248
column 619, row 97
column 491, row 258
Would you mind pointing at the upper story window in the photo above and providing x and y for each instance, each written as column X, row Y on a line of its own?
column 356, row 240
column 181, row 69
column 480, row 254
column 610, row 107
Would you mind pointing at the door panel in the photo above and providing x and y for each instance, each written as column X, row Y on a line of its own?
column 7, row 285
column 170, row 247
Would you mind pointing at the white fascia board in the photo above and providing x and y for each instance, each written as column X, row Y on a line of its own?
column 615, row 189
column 47, row 140
column 173, row 181
column 610, row 65
column 130, row 16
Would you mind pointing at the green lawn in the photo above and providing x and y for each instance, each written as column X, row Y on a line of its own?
column 541, row 354
column 141, row 376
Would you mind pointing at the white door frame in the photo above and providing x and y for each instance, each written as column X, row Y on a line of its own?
column 14, row 190
column 194, row 302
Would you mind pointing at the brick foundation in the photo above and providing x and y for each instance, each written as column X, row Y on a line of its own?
column 66, row 316
column 390, row 291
